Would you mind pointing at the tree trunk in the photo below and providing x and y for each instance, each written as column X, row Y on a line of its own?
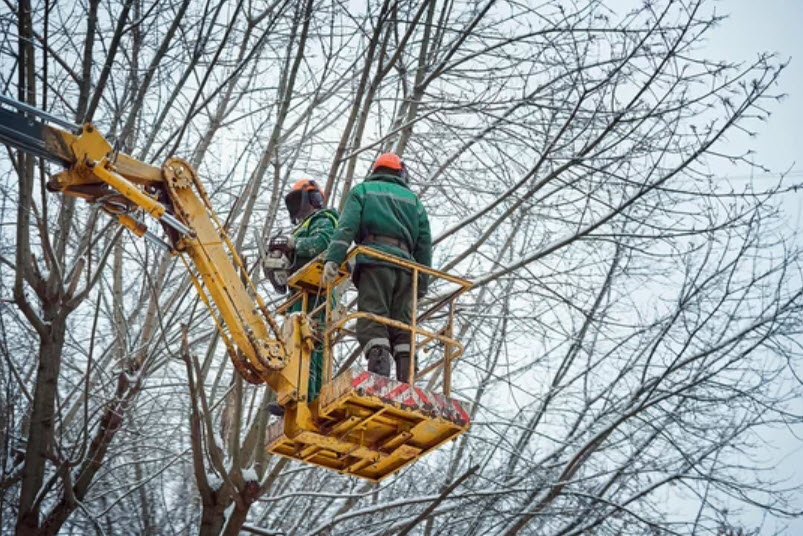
column 40, row 435
column 212, row 517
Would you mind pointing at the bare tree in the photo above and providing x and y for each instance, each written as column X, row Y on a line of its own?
column 636, row 319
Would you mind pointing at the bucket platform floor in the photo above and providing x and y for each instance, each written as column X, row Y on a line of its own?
column 371, row 426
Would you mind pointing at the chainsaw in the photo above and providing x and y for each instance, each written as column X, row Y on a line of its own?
column 276, row 261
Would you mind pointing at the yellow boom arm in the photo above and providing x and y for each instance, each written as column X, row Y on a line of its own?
column 125, row 188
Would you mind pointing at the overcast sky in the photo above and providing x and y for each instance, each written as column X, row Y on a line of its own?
column 774, row 26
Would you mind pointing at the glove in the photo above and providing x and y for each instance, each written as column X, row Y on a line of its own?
column 329, row 272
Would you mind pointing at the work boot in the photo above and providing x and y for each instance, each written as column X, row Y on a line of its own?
column 275, row 409
column 379, row 360
column 403, row 366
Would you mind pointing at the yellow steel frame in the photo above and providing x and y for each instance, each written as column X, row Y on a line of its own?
column 452, row 348
column 357, row 431
column 306, row 281
column 362, row 434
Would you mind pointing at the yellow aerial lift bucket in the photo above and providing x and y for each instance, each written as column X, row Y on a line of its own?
column 361, row 423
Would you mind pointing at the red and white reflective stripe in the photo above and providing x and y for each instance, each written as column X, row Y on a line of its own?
column 361, row 378
column 460, row 411
column 423, row 397
column 395, row 391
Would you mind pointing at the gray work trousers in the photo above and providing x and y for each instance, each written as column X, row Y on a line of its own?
column 388, row 292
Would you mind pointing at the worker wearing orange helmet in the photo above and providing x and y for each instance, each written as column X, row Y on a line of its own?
column 383, row 213
column 315, row 226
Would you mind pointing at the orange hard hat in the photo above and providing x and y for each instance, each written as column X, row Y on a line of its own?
column 307, row 185
column 304, row 193
column 389, row 160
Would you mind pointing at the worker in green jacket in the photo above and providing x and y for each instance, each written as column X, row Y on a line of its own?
column 315, row 226
column 383, row 213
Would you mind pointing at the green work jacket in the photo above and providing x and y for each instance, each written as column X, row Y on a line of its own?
column 383, row 205
column 313, row 235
